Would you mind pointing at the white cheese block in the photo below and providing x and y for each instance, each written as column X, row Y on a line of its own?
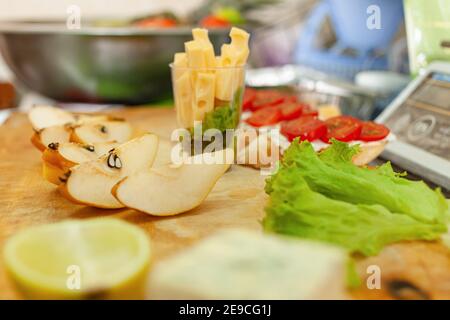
column 328, row 111
column 238, row 264
column 203, row 95
column 180, row 59
column 183, row 100
column 201, row 35
column 228, row 80
column 179, row 65
column 195, row 54
column 232, row 55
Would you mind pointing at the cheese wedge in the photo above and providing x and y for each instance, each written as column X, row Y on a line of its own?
column 238, row 264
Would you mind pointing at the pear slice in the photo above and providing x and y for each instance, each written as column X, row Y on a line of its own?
column 163, row 157
column 104, row 131
column 52, row 173
column 172, row 189
column 63, row 156
column 50, row 136
column 92, row 118
column 69, row 154
column 46, row 116
column 91, row 182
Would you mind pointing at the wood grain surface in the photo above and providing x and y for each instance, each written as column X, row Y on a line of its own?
column 415, row 269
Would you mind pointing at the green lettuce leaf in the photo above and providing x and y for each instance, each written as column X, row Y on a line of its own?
column 295, row 209
column 333, row 174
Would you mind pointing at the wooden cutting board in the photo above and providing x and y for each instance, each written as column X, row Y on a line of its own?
column 237, row 200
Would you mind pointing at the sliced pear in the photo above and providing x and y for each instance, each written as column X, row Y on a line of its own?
column 68, row 154
column 46, row 116
column 104, row 131
column 58, row 160
column 51, row 136
column 171, row 189
column 163, row 157
column 52, row 173
column 93, row 118
column 91, row 182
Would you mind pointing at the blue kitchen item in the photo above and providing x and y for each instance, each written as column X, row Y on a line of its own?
column 357, row 47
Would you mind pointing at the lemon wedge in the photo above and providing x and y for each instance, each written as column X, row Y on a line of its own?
column 100, row 258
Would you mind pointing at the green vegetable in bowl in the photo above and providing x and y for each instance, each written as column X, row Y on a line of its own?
column 221, row 118
column 327, row 198
column 225, row 115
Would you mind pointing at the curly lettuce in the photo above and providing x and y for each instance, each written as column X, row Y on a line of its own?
column 295, row 209
column 327, row 198
column 333, row 174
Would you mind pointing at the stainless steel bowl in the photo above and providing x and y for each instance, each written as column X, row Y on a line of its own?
column 92, row 64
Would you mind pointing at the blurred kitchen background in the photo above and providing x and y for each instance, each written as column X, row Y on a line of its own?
column 357, row 54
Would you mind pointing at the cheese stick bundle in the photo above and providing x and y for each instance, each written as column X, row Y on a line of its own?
column 203, row 82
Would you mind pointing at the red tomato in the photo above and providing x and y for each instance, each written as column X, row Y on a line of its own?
column 249, row 96
column 342, row 128
column 212, row 21
column 308, row 111
column 306, row 128
column 157, row 22
column 372, row 131
column 266, row 98
column 290, row 110
column 265, row 117
column 290, row 98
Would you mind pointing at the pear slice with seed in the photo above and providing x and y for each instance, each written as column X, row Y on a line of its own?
column 51, row 135
column 104, row 131
column 91, row 182
column 66, row 155
column 172, row 189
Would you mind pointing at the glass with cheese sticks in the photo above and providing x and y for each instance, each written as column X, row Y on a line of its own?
column 208, row 89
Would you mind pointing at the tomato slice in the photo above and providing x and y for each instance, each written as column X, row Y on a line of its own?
column 212, row 21
column 306, row 128
column 157, row 22
column 265, row 117
column 266, row 98
column 309, row 111
column 372, row 131
column 342, row 128
column 249, row 96
column 290, row 110
column 290, row 98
